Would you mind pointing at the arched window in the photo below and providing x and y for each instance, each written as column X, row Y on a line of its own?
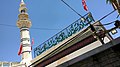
column 22, row 11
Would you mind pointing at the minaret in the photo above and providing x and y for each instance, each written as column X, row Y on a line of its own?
column 24, row 24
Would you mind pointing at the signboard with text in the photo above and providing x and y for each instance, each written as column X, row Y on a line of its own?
column 64, row 34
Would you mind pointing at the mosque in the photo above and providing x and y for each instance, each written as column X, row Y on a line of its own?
column 78, row 45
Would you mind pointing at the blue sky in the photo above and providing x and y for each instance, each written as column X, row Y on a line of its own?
column 50, row 16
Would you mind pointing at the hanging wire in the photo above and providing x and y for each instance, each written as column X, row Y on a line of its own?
column 31, row 28
column 109, row 23
column 44, row 28
column 71, row 8
column 106, row 15
column 83, row 17
column 7, row 25
column 106, row 24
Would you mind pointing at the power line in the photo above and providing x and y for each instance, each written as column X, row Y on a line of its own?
column 7, row 25
column 109, row 23
column 31, row 28
column 60, row 29
column 106, row 24
column 71, row 8
column 44, row 28
column 82, row 16
column 107, row 15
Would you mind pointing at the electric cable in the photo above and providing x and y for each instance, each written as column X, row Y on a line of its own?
column 106, row 24
column 44, row 28
column 30, row 28
column 83, row 17
column 7, row 25
column 71, row 8
column 106, row 15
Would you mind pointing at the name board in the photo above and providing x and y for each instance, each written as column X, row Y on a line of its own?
column 64, row 34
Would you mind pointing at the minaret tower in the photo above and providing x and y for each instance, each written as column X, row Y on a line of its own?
column 24, row 24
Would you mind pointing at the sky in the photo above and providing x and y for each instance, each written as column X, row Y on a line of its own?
column 49, row 16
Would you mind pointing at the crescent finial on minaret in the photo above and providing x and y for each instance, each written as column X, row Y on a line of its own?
column 22, row 1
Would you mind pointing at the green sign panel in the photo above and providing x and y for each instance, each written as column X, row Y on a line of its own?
column 64, row 34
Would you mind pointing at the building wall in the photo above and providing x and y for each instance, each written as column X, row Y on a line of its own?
column 57, row 54
column 8, row 64
column 107, row 58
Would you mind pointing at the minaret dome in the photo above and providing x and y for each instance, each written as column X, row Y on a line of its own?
column 23, row 18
